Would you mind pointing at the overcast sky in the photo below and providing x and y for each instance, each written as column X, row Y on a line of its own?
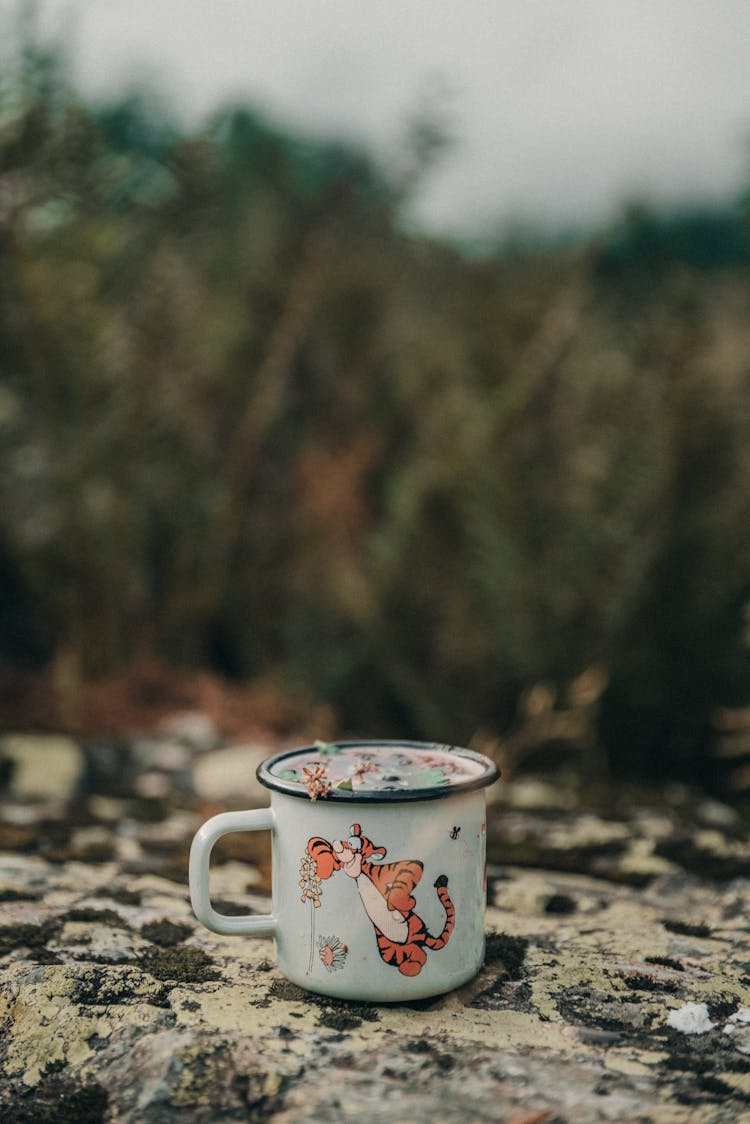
column 562, row 109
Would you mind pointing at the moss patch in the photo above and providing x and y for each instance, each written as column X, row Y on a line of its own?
column 666, row 962
column 201, row 1068
column 230, row 908
column 285, row 989
column 508, row 951
column 339, row 1020
column 444, row 1062
column 18, row 896
column 165, row 933
column 720, row 1007
column 340, row 1015
column 560, row 904
column 351, row 1009
column 607, row 1011
column 96, row 916
column 15, row 837
column 44, row 956
column 58, row 1101
column 598, row 859
column 99, row 987
column 638, row 982
column 706, row 864
column 685, row 929
column 503, row 994
column 180, row 965
column 92, row 852
column 124, row 897
column 697, row 1066
column 336, row 1014
column 23, row 936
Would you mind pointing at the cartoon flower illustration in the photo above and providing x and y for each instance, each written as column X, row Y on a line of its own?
column 312, row 892
column 309, row 881
column 332, row 953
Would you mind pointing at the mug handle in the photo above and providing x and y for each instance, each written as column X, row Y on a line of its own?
column 257, row 925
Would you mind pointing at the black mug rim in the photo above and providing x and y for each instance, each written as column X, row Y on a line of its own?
column 490, row 774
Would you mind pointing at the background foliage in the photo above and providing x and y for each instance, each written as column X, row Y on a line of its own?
column 247, row 422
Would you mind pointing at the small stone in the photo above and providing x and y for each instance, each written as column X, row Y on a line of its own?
column 738, row 1026
column 170, row 756
column 716, row 814
column 84, row 838
column 128, row 849
column 106, row 808
column 740, row 1016
column 229, row 774
column 692, row 1018
column 192, row 728
column 153, row 785
column 44, row 767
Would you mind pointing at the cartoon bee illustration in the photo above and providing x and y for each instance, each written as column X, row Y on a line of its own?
column 454, row 832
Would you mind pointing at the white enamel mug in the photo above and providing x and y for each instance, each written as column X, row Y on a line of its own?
column 378, row 893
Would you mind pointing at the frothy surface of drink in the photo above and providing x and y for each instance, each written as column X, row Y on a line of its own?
column 375, row 768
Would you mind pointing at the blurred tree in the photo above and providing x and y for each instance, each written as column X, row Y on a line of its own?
column 248, row 421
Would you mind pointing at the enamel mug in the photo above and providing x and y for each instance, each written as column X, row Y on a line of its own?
column 379, row 871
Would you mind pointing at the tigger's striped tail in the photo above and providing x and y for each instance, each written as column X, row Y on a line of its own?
column 441, row 885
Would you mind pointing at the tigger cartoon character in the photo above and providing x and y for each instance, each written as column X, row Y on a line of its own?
column 386, row 893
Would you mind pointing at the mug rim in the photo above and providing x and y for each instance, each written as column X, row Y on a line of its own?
column 488, row 776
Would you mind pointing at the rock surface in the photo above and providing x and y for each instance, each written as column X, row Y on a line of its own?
column 602, row 930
